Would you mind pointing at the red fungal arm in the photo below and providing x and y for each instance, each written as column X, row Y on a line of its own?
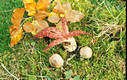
column 65, row 27
column 54, row 43
column 77, row 33
column 50, row 32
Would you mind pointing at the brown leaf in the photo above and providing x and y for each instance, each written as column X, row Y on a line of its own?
column 74, row 16
column 65, row 10
column 28, row 27
column 53, row 18
column 67, row 7
column 58, row 8
column 40, row 25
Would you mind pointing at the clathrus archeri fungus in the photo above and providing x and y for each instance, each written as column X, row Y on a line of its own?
column 60, row 37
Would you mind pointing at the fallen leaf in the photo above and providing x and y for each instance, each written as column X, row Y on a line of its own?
column 58, row 8
column 17, row 17
column 54, row 18
column 40, row 25
column 42, row 5
column 28, row 27
column 16, row 36
column 74, row 16
column 16, row 30
column 32, row 7
column 28, row 1
column 65, row 10
column 41, row 15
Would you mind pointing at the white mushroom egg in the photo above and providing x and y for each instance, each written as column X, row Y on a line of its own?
column 56, row 61
column 86, row 52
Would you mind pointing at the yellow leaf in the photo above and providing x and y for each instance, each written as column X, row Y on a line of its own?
column 42, row 5
column 32, row 7
column 41, row 15
column 16, row 36
column 16, row 30
column 28, row 1
column 17, row 16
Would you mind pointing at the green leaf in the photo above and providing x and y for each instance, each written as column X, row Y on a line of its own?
column 77, row 77
column 33, row 43
column 68, row 74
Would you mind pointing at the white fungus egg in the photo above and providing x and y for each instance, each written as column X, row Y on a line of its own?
column 56, row 61
column 86, row 52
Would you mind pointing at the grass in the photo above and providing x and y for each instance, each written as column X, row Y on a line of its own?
column 104, row 19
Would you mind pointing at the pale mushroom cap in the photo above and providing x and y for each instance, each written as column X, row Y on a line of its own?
column 86, row 52
column 72, row 46
column 56, row 61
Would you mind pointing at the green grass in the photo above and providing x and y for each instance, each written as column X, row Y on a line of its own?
column 104, row 19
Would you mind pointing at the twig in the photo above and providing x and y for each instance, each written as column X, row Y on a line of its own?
column 70, row 58
column 8, row 71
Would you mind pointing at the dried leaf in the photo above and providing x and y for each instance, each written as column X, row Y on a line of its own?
column 16, row 36
column 65, row 10
column 74, row 16
column 58, row 8
column 16, row 30
column 53, row 18
column 30, row 8
column 40, row 25
column 42, row 5
column 17, row 16
column 28, row 27
column 67, row 7
column 41, row 15
column 28, row 1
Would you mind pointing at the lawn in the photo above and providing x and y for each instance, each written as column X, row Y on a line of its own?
column 105, row 19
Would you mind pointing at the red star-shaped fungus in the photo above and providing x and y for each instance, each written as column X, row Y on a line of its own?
column 53, row 32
